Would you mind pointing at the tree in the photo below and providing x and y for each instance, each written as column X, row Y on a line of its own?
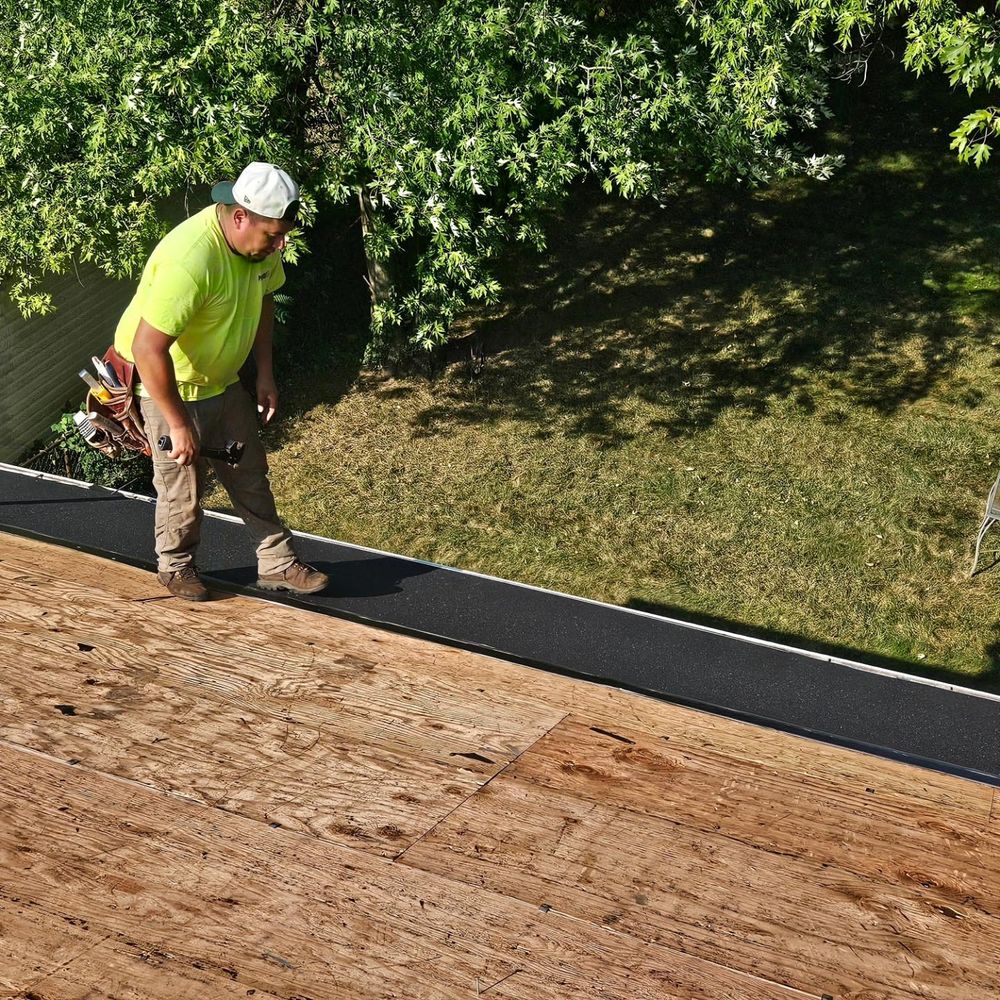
column 454, row 125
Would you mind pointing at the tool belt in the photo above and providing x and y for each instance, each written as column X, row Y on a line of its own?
column 120, row 423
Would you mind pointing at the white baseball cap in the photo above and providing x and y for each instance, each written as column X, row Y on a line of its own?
column 262, row 188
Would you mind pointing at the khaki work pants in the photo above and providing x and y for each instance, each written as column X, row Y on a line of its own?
column 179, row 488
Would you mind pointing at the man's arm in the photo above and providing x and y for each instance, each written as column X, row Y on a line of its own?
column 267, row 390
column 151, row 350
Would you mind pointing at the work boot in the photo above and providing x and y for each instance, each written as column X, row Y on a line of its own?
column 184, row 583
column 297, row 578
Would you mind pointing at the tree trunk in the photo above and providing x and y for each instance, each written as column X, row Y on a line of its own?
column 379, row 278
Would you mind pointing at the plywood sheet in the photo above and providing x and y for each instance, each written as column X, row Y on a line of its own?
column 270, row 910
column 243, row 774
column 328, row 742
column 680, row 852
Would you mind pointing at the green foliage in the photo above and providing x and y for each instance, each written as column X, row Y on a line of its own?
column 68, row 454
column 108, row 107
column 972, row 137
column 466, row 122
column 462, row 123
column 966, row 45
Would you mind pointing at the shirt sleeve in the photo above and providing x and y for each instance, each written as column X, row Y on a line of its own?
column 172, row 298
column 276, row 278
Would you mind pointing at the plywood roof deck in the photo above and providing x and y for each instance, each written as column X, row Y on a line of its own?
column 241, row 799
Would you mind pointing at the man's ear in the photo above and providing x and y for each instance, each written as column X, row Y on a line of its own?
column 240, row 216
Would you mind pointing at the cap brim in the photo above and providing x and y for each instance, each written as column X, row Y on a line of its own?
column 222, row 193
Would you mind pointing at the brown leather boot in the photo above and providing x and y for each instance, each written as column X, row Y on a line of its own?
column 184, row 583
column 297, row 578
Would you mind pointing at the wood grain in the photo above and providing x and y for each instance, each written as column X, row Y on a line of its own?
column 244, row 773
column 322, row 778
column 855, row 824
column 24, row 925
column 327, row 744
column 292, row 916
column 753, row 876
column 81, row 964
column 419, row 677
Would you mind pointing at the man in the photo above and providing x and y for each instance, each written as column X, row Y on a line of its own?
column 204, row 302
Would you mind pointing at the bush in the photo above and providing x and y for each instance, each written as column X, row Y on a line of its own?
column 67, row 454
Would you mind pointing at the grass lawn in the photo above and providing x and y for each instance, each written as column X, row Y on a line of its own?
column 774, row 411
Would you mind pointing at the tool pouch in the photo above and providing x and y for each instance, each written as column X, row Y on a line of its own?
column 127, row 431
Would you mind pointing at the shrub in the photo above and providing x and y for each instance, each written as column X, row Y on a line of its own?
column 67, row 454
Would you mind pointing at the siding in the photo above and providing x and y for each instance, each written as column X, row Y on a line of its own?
column 39, row 357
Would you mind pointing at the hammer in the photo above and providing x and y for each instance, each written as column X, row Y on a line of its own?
column 230, row 454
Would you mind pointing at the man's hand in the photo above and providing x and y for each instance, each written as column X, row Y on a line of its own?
column 267, row 398
column 184, row 439
column 151, row 349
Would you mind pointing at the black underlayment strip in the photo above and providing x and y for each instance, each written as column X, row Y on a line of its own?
column 783, row 688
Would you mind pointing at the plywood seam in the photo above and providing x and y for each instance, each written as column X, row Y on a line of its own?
column 469, row 798
column 93, row 946
column 130, row 782
column 517, row 905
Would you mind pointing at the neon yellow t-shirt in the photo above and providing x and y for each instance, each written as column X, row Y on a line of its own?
column 196, row 290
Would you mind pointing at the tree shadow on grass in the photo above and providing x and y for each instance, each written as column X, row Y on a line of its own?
column 989, row 679
column 992, row 653
column 846, row 290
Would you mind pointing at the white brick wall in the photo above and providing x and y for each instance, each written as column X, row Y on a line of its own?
column 39, row 357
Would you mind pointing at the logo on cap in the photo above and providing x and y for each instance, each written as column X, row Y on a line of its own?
column 263, row 188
